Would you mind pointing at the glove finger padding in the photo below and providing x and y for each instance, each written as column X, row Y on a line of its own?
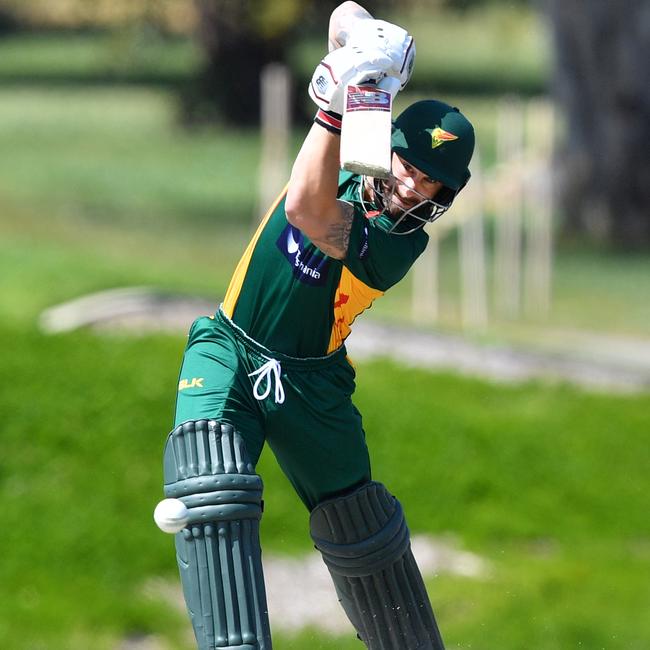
column 396, row 43
column 342, row 67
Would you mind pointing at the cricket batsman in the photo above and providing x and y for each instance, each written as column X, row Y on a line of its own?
column 271, row 367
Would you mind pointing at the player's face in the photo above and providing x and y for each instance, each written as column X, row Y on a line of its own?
column 412, row 186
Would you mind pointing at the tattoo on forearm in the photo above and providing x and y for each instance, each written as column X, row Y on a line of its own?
column 337, row 238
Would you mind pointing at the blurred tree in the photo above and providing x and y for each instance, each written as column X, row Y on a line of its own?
column 602, row 81
column 8, row 21
column 238, row 38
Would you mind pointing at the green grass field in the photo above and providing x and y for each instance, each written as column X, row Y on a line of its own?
column 548, row 485
column 129, row 55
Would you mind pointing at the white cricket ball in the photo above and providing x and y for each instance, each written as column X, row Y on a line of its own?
column 171, row 515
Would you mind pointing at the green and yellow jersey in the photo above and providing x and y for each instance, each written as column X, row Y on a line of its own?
column 292, row 298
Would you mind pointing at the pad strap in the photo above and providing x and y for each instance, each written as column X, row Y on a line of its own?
column 365, row 544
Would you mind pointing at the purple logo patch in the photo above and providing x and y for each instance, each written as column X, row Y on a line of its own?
column 307, row 263
column 367, row 98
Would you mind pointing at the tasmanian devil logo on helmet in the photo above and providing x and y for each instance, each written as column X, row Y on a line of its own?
column 440, row 136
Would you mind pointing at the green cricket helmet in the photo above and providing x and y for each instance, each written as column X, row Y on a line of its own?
column 438, row 140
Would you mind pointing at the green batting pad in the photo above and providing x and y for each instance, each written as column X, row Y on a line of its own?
column 365, row 544
column 218, row 553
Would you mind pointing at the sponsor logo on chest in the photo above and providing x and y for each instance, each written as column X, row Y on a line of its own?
column 307, row 263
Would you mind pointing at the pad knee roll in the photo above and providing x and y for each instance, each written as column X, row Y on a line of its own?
column 365, row 544
column 206, row 466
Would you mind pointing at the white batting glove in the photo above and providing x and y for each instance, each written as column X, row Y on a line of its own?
column 396, row 43
column 342, row 67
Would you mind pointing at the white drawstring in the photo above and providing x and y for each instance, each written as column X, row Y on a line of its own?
column 270, row 369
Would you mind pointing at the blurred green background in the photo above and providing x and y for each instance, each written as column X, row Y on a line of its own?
column 113, row 173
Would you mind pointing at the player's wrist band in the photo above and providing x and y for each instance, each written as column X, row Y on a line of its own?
column 329, row 120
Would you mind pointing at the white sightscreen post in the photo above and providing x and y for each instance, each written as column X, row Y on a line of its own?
column 472, row 252
column 275, row 129
column 508, row 203
column 424, row 294
column 539, row 209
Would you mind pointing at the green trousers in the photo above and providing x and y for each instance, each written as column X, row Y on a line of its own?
column 301, row 407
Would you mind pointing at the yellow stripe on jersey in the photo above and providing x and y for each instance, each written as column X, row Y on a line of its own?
column 351, row 298
column 237, row 280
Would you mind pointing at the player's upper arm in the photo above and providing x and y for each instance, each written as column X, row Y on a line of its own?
column 329, row 230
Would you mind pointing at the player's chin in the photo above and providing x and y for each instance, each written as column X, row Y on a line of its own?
column 393, row 211
column 397, row 207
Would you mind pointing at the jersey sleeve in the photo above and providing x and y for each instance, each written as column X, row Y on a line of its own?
column 377, row 258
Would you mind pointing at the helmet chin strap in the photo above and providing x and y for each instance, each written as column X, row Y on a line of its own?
column 411, row 219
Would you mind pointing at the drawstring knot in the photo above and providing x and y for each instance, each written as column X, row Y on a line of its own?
column 268, row 372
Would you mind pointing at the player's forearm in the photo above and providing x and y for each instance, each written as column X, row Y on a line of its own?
column 313, row 185
column 311, row 203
